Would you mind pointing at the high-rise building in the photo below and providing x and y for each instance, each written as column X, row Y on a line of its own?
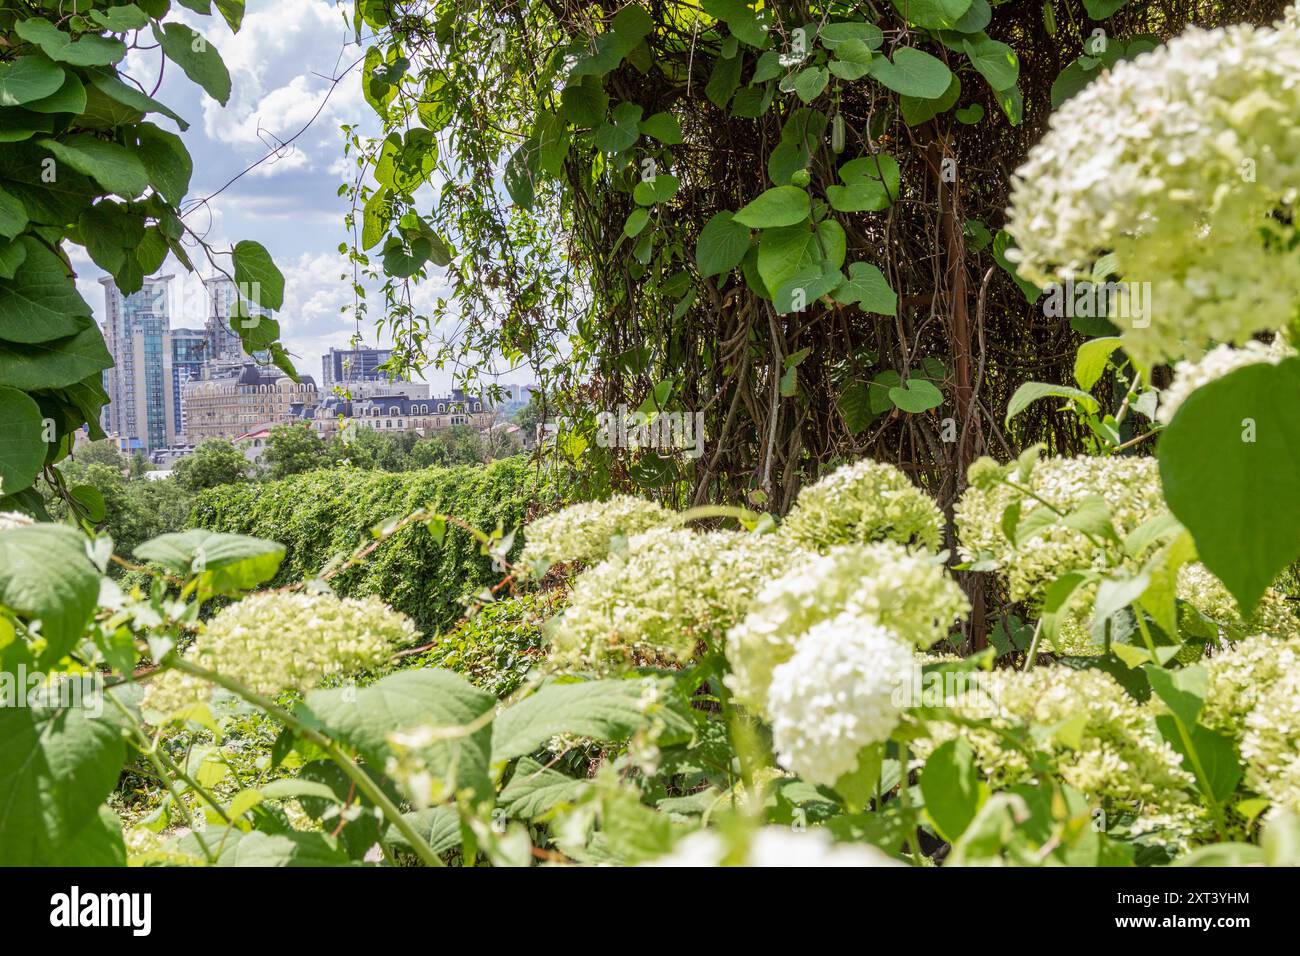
column 141, row 410
column 190, row 348
column 339, row 366
column 223, row 338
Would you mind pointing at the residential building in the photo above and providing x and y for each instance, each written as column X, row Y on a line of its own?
column 340, row 366
column 142, row 409
column 223, row 339
column 229, row 406
column 397, row 413
column 190, row 349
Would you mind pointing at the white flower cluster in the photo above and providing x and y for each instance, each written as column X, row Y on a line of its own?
column 1218, row 362
column 582, row 532
column 1130, row 487
column 906, row 592
column 273, row 642
column 1253, row 695
column 836, row 695
column 774, row 846
column 1104, row 743
column 670, row 589
column 863, row 502
column 1175, row 163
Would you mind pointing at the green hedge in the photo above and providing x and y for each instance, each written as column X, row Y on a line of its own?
column 319, row 514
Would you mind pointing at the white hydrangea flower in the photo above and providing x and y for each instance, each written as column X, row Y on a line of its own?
column 13, row 519
column 863, row 502
column 836, row 695
column 1218, row 362
column 1175, row 163
column 1130, row 486
column 1271, row 743
column 908, row 592
column 670, row 589
column 274, row 641
column 582, row 532
column 1239, row 676
column 775, row 846
column 1118, row 758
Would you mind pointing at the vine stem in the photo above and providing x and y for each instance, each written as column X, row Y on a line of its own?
column 335, row 752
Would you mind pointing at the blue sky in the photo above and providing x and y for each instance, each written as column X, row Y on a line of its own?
column 281, row 63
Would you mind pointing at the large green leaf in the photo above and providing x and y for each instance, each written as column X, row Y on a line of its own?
column 227, row 563
column 129, row 96
column 868, row 289
column 363, row 718
column 46, row 576
column 995, row 61
column 168, row 163
column 281, row 849
column 57, row 766
column 778, row 206
column 933, row 14
column 41, row 301
column 259, row 279
column 56, row 364
column 952, row 788
column 912, row 73
column 68, row 98
column 1230, row 471
column 786, row 251
column 604, row 710
column 88, row 50
column 535, row 788
column 722, row 245
column 1030, row 392
column 22, row 445
column 113, row 166
column 197, row 57
column 28, row 78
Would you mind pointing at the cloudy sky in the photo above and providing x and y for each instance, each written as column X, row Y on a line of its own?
column 282, row 63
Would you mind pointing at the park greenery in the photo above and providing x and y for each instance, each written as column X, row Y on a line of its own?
column 990, row 311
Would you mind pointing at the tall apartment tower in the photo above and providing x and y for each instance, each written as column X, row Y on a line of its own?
column 189, row 355
column 223, row 339
column 141, row 411
column 340, row 366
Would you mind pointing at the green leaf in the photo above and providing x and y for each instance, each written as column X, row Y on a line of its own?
column 535, row 789
column 116, row 168
column 622, row 129
column 810, row 82
column 917, row 111
column 951, row 786
column 40, row 302
column 167, row 161
column 995, row 61
column 13, row 215
column 129, row 96
column 89, row 50
column 808, row 284
column 661, row 188
column 1242, row 510
column 868, row 289
column 916, row 396
column 933, row 14
column 723, row 80
column 121, row 19
column 636, row 221
column 606, row 710
column 1215, row 754
column 778, row 206
column 438, row 826
column 1183, row 691
column 1101, row 9
column 584, row 104
column 28, row 78
column 871, row 183
column 259, row 280
column 722, row 245
column 1090, row 362
column 225, row 563
column 289, row 848
column 912, row 73
column 855, row 407
column 663, row 127
column 22, row 448
column 835, row 35
column 57, row 766
column 68, row 98
column 784, row 251
column 46, row 576
column 233, row 12
column 364, row 717
column 197, row 57
column 56, row 364
column 1030, row 392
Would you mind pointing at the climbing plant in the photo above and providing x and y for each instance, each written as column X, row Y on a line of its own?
column 86, row 162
